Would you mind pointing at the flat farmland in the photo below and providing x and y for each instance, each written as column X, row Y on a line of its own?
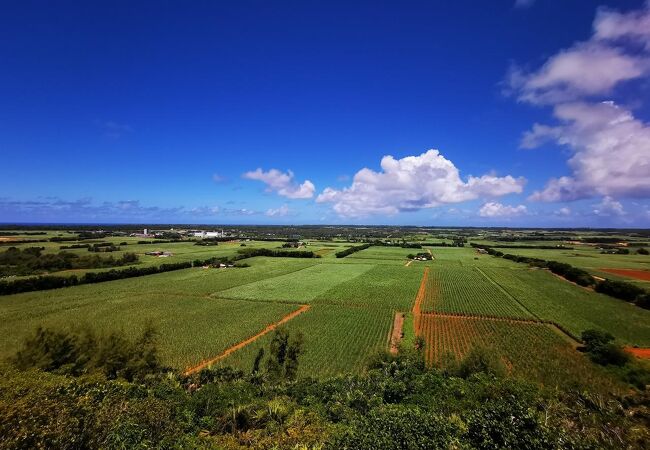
column 527, row 350
column 591, row 260
column 384, row 253
column 468, row 290
column 182, row 251
column 202, row 312
column 383, row 286
column 191, row 328
column 194, row 324
column 338, row 339
column 300, row 286
column 575, row 308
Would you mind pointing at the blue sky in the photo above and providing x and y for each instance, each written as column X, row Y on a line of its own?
column 164, row 112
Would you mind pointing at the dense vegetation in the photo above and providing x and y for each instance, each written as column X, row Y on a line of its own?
column 45, row 282
column 251, row 252
column 397, row 404
column 349, row 251
column 32, row 260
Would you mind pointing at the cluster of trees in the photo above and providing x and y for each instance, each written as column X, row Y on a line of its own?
column 539, row 247
column 397, row 403
column 617, row 289
column 31, row 260
column 350, row 250
column 274, row 253
column 425, row 255
column 402, row 243
column 23, row 241
column 83, row 351
column 103, row 247
column 282, row 362
column 73, row 246
column 207, row 242
column 615, row 251
column 45, row 282
column 22, row 233
column 600, row 347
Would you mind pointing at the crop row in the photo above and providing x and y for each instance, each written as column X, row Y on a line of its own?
column 338, row 339
column 383, row 286
column 465, row 290
column 530, row 350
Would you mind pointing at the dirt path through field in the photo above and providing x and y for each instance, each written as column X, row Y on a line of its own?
column 396, row 335
column 643, row 353
column 432, row 257
column 419, row 298
column 408, row 263
column 244, row 343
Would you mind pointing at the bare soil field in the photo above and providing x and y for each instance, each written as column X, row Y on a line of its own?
column 631, row 273
column 643, row 353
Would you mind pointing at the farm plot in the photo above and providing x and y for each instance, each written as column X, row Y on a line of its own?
column 191, row 328
column 467, row 290
column 527, row 350
column 338, row 339
column 384, row 253
column 573, row 307
column 299, row 286
column 383, row 286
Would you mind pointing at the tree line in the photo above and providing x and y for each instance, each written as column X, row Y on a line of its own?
column 31, row 260
column 618, row 289
column 45, row 282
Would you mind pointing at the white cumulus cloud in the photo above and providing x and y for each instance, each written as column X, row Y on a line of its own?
column 609, row 207
column 282, row 183
column 611, row 152
column 413, row 183
column 494, row 209
column 592, row 67
column 278, row 212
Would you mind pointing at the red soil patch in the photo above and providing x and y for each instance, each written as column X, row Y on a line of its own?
column 643, row 353
column 396, row 335
column 630, row 273
column 244, row 343
column 417, row 306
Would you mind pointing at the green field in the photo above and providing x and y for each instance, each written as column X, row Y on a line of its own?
column 527, row 350
column 468, row 290
column 202, row 312
column 575, row 308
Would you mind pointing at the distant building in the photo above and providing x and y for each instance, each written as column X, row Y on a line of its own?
column 209, row 234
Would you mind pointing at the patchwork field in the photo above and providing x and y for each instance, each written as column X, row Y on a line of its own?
column 468, row 299
column 527, row 350
column 575, row 308
column 468, row 290
column 300, row 286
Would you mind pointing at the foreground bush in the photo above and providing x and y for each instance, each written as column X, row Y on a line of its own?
column 84, row 352
column 73, row 393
